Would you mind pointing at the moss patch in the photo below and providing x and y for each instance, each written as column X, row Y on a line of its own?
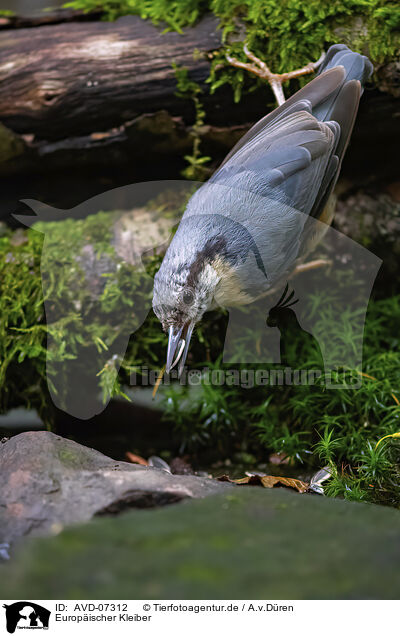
column 312, row 425
column 11, row 145
column 65, row 294
column 271, row 544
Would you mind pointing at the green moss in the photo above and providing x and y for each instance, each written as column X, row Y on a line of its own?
column 43, row 268
column 272, row 544
column 291, row 33
column 313, row 425
column 286, row 34
column 11, row 145
column 22, row 329
column 177, row 14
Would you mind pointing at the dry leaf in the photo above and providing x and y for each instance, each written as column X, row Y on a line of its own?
column 268, row 481
column 136, row 459
column 97, row 136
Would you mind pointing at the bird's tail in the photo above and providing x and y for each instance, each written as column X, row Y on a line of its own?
column 339, row 105
column 357, row 67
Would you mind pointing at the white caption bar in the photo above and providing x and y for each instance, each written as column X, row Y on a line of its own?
column 319, row 618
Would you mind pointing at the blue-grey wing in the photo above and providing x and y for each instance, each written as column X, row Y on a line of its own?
column 283, row 170
column 286, row 160
column 331, row 98
column 269, row 187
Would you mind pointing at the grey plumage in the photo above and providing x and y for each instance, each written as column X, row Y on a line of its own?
column 243, row 230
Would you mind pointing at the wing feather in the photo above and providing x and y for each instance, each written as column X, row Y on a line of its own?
column 291, row 158
column 282, row 159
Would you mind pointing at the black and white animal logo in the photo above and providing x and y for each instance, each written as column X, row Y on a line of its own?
column 26, row 615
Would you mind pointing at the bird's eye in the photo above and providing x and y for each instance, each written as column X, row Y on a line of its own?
column 188, row 297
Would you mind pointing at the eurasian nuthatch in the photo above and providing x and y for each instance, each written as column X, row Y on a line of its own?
column 246, row 228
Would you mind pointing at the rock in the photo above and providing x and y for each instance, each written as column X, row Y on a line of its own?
column 246, row 543
column 48, row 482
column 389, row 78
column 180, row 466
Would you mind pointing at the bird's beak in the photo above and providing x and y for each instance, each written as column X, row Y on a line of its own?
column 174, row 338
column 178, row 346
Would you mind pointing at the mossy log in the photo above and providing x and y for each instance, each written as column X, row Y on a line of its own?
column 74, row 94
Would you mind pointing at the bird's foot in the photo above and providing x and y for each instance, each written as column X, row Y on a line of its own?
column 306, row 267
column 275, row 80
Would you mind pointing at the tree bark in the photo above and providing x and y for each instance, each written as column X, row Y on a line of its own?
column 71, row 79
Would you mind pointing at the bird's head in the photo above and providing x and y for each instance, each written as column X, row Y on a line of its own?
column 206, row 265
column 184, row 289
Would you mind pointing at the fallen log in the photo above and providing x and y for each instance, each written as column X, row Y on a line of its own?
column 70, row 79
column 101, row 96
